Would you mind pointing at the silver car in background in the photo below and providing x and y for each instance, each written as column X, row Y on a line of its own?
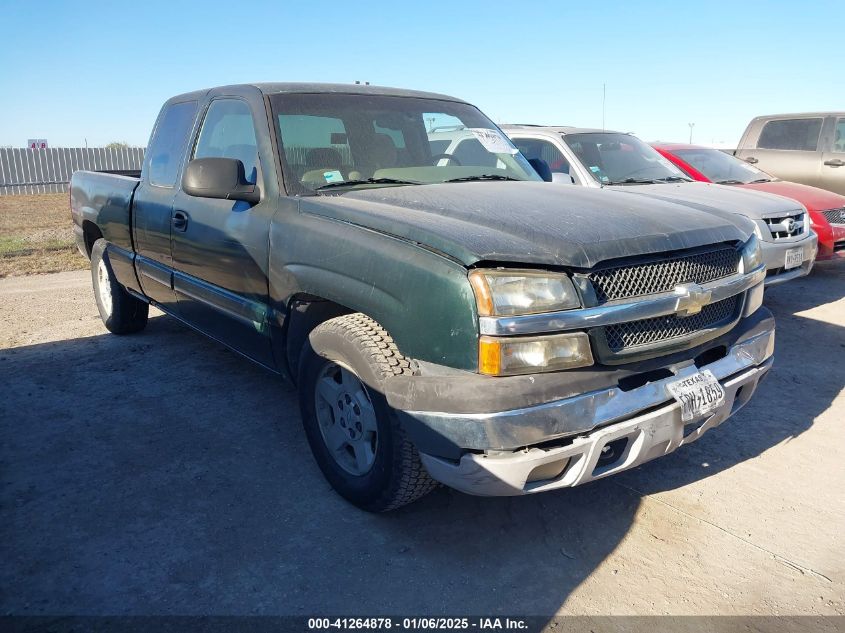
column 808, row 148
column 597, row 158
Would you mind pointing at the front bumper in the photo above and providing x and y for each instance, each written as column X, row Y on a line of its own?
column 560, row 443
column 774, row 258
column 832, row 243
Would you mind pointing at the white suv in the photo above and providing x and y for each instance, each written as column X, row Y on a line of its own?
column 598, row 158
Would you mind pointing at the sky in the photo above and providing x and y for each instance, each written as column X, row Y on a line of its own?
column 77, row 72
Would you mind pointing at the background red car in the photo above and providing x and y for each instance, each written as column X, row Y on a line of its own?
column 827, row 209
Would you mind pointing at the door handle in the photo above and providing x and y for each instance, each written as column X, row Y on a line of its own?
column 836, row 162
column 180, row 221
column 751, row 160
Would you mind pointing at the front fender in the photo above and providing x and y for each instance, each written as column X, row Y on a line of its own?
column 423, row 299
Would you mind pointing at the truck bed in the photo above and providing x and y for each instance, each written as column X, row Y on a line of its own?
column 101, row 204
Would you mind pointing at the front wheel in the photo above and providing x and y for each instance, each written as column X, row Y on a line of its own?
column 120, row 311
column 354, row 434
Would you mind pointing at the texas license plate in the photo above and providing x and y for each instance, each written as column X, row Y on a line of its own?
column 698, row 394
column 794, row 257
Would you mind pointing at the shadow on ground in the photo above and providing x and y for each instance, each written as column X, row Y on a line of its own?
column 162, row 474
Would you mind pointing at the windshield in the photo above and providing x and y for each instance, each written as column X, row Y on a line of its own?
column 720, row 167
column 613, row 158
column 334, row 142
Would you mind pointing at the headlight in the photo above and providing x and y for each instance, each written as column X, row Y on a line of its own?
column 508, row 356
column 511, row 292
column 752, row 254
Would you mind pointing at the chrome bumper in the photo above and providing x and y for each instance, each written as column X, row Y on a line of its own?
column 774, row 258
column 647, row 417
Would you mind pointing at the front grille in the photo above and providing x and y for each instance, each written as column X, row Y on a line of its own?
column 786, row 226
column 624, row 282
column 835, row 216
column 625, row 336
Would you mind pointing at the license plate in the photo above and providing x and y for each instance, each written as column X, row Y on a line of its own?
column 698, row 394
column 794, row 257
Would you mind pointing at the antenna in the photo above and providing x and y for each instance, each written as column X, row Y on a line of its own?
column 603, row 101
column 691, row 125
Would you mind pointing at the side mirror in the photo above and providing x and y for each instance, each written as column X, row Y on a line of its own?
column 219, row 178
column 542, row 168
column 563, row 179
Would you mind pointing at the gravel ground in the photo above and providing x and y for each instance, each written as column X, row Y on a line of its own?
column 162, row 474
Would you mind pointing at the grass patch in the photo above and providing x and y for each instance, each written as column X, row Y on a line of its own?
column 36, row 235
column 11, row 245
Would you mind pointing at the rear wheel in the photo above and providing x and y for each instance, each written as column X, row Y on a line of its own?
column 120, row 311
column 354, row 434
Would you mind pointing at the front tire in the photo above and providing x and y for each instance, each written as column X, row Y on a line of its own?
column 120, row 311
column 354, row 434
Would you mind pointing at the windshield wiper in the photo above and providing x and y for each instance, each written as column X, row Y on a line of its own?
column 634, row 181
column 368, row 181
column 760, row 180
column 482, row 177
column 730, row 181
column 674, row 179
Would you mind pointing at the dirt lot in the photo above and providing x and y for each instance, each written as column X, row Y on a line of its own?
column 36, row 235
column 161, row 474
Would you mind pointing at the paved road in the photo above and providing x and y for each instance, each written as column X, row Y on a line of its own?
column 162, row 474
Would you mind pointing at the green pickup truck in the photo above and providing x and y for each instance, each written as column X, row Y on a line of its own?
column 446, row 318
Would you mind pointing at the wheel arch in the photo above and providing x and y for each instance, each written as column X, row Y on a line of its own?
column 90, row 233
column 306, row 312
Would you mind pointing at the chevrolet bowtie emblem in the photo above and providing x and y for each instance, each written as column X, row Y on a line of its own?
column 691, row 299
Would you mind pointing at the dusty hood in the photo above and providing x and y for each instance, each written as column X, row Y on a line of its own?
column 529, row 222
column 718, row 198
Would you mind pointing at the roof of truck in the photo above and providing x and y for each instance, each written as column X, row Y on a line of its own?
column 296, row 87
column 796, row 115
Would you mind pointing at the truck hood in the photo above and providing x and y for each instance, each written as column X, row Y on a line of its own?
column 718, row 198
column 528, row 222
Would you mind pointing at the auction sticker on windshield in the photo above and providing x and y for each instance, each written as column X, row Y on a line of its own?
column 493, row 141
column 698, row 394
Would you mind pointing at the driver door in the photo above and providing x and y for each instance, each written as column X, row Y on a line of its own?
column 833, row 159
column 221, row 247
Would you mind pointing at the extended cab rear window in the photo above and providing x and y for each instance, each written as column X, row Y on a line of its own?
column 794, row 134
column 167, row 146
column 228, row 132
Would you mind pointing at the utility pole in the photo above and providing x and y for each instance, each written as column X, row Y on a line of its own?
column 691, row 125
